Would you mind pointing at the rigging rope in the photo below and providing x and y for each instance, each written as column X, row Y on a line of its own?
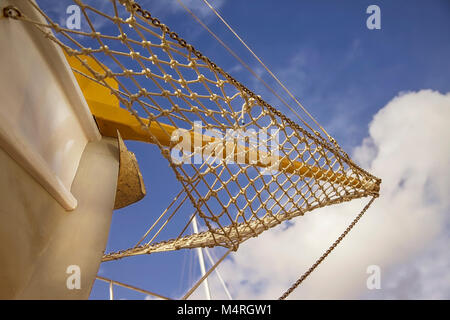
column 245, row 65
column 269, row 71
column 175, row 85
column 236, row 202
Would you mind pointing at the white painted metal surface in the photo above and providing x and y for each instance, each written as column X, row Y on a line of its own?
column 40, row 241
column 201, row 261
column 45, row 122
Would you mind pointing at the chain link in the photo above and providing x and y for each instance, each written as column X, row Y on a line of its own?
column 13, row 12
column 334, row 147
column 330, row 249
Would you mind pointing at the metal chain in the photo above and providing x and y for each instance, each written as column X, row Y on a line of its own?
column 330, row 249
column 335, row 148
column 13, row 12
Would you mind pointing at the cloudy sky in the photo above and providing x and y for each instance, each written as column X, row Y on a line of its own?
column 383, row 94
column 405, row 233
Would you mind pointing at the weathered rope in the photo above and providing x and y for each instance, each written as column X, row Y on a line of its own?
column 162, row 77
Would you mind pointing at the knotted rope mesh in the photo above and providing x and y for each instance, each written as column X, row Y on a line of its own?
column 256, row 169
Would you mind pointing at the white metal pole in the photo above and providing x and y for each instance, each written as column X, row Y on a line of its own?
column 218, row 275
column 111, row 292
column 201, row 262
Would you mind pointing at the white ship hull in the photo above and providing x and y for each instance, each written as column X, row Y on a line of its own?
column 58, row 176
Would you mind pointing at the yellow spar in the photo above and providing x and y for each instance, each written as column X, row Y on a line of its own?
column 111, row 118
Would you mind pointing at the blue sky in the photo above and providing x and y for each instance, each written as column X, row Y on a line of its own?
column 325, row 54
column 342, row 72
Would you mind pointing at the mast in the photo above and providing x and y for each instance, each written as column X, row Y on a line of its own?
column 201, row 261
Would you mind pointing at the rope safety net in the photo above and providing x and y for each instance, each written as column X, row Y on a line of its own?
column 242, row 165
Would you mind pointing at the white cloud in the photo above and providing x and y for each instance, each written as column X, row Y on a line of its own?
column 405, row 232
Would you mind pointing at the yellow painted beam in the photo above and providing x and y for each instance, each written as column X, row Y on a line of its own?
column 111, row 118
